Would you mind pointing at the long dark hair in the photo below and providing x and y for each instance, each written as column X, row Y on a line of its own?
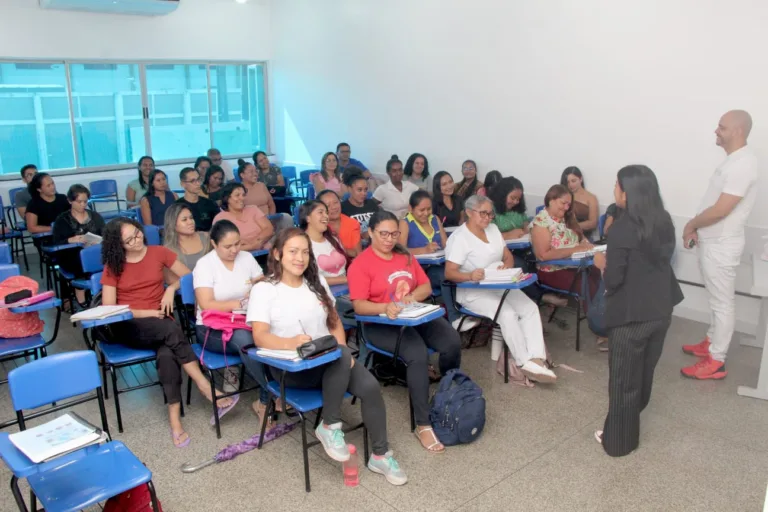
column 382, row 216
column 408, row 169
column 491, row 179
column 646, row 208
column 242, row 165
column 210, row 172
column 112, row 251
column 437, row 193
column 202, row 159
column 142, row 183
column 572, row 170
column 500, row 192
column 305, row 211
column 255, row 156
column 336, row 173
column 227, row 191
column 463, row 181
column 36, row 183
column 221, row 229
column 151, row 185
column 311, row 274
column 557, row 191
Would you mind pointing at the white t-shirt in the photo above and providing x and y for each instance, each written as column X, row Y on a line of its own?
column 737, row 176
column 394, row 200
column 331, row 262
column 289, row 311
column 471, row 253
column 227, row 284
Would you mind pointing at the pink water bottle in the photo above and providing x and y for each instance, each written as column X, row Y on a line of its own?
column 351, row 478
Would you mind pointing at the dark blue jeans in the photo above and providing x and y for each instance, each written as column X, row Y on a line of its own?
column 239, row 339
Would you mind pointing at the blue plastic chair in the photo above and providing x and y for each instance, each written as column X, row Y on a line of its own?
column 304, row 182
column 105, row 191
column 289, row 175
column 82, row 478
column 310, row 192
column 210, row 361
column 12, row 230
column 90, row 261
column 539, row 208
column 113, row 355
column 152, row 235
column 302, row 400
column 5, row 254
column 601, row 225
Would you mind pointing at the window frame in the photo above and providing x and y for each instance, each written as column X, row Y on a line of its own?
column 147, row 121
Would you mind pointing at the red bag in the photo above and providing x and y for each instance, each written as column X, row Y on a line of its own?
column 19, row 325
column 137, row 499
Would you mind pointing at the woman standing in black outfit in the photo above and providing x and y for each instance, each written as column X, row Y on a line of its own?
column 640, row 291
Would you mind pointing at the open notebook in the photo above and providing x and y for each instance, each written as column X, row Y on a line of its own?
column 591, row 252
column 57, row 437
column 431, row 255
column 415, row 310
column 99, row 312
column 493, row 275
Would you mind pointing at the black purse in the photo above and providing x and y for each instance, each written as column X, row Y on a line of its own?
column 318, row 347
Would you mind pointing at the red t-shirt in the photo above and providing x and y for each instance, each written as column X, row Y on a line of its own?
column 378, row 280
column 141, row 285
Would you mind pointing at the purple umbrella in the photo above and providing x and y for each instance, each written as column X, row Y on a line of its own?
column 233, row 450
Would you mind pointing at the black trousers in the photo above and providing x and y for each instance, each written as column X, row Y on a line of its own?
column 437, row 335
column 173, row 349
column 635, row 350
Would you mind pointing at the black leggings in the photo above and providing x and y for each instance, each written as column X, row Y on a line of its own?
column 173, row 349
column 437, row 335
column 335, row 379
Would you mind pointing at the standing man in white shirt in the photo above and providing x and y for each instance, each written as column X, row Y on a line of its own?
column 718, row 230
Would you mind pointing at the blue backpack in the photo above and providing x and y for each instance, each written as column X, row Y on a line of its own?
column 458, row 409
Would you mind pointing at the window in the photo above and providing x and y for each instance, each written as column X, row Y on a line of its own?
column 86, row 115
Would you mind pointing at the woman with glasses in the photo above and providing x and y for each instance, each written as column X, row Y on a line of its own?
column 382, row 280
column 255, row 229
column 329, row 176
column 293, row 305
column 472, row 249
column 157, row 199
column 133, row 276
column 471, row 184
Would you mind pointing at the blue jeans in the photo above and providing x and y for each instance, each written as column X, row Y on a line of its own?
column 239, row 339
column 436, row 275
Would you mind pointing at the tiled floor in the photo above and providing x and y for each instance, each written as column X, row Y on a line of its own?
column 702, row 446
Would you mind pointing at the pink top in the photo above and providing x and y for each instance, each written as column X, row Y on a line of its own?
column 247, row 224
column 332, row 184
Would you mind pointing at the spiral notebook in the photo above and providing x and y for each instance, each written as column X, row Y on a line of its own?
column 57, row 437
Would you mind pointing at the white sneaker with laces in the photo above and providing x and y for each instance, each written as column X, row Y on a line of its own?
column 538, row 373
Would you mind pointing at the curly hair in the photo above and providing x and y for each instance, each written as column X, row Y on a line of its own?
column 311, row 274
column 408, row 169
column 112, row 250
column 499, row 193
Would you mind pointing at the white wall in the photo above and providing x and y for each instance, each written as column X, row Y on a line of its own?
column 527, row 88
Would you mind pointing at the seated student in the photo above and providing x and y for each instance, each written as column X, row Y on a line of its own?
column 46, row 205
column 394, row 195
column 342, row 227
column 509, row 202
column 612, row 214
column 417, row 171
column 269, row 174
column 255, row 229
column 223, row 279
column 471, row 249
column 202, row 208
column 157, row 199
column 381, row 280
column 471, row 184
column 358, row 206
column 213, row 183
column 343, row 154
column 422, row 233
column 216, row 160
column 448, row 206
column 22, row 197
column 180, row 236
column 491, row 179
column 133, row 275
column 329, row 176
column 584, row 204
column 202, row 164
column 293, row 305
column 258, row 195
column 71, row 227
column 138, row 187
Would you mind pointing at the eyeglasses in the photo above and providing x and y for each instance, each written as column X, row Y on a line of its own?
column 389, row 234
column 198, row 180
column 136, row 236
column 485, row 214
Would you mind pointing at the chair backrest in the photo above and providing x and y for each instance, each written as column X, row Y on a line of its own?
column 310, row 192
column 345, row 197
column 136, row 212
column 8, row 270
column 539, row 208
column 90, row 259
column 5, row 254
column 187, row 290
column 289, row 172
column 103, row 188
column 12, row 195
column 601, row 225
column 304, row 176
column 95, row 283
column 152, row 235
column 53, row 378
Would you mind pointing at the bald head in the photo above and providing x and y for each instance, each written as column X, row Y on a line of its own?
column 733, row 130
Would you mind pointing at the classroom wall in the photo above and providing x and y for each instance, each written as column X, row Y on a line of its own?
column 527, row 88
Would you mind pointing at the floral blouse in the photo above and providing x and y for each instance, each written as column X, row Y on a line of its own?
column 562, row 237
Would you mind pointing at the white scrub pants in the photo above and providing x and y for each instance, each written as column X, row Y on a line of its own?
column 519, row 320
column 718, row 259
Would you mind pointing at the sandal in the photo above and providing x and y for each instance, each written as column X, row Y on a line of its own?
column 176, row 437
column 221, row 411
column 429, row 448
column 599, row 436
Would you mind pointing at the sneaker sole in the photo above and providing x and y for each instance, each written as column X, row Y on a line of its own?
column 714, row 376
column 329, row 453
column 392, row 480
column 539, row 377
column 694, row 353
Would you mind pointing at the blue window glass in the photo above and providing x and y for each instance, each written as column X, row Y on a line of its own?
column 239, row 113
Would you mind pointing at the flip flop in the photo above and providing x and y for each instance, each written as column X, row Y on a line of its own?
column 224, row 410
column 599, row 436
column 428, row 448
column 176, row 437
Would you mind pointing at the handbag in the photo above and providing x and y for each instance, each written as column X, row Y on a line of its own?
column 317, row 347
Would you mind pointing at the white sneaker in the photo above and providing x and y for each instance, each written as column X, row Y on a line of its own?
column 470, row 323
column 231, row 380
column 538, row 373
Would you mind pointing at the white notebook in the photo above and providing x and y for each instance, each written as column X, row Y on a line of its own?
column 90, row 238
column 524, row 238
column 415, row 310
column 286, row 355
column 99, row 312
column 57, row 437
column 431, row 255
column 591, row 252
column 494, row 275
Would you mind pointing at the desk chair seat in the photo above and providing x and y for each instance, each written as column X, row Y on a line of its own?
column 215, row 360
column 116, row 354
column 303, row 400
column 9, row 346
column 81, row 284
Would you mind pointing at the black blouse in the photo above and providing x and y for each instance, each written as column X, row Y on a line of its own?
column 67, row 226
column 450, row 217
